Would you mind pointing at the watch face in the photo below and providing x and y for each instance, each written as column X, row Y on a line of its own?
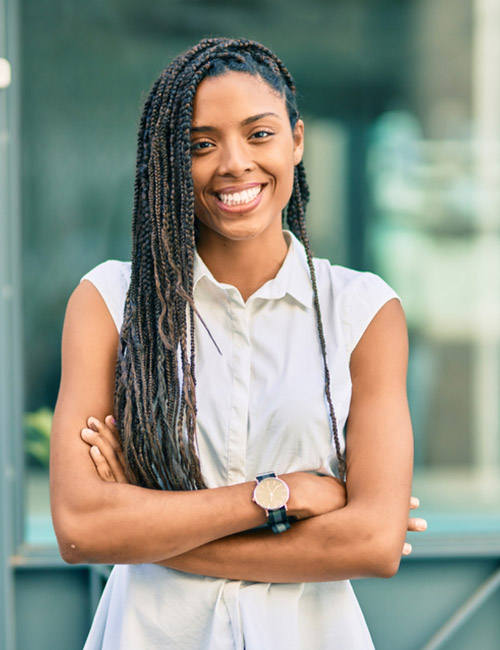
column 271, row 493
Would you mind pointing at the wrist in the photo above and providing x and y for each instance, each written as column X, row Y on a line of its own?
column 314, row 494
column 297, row 505
column 271, row 494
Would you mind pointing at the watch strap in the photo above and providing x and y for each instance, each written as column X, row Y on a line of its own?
column 261, row 477
column 278, row 520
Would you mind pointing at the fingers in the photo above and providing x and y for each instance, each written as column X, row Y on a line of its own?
column 105, row 429
column 102, row 466
column 111, row 424
column 416, row 525
column 407, row 548
column 106, row 451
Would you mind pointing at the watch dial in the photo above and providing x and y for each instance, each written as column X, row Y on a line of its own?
column 271, row 493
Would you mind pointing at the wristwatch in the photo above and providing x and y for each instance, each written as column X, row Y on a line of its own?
column 272, row 494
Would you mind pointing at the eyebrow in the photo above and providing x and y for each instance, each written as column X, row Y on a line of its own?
column 245, row 122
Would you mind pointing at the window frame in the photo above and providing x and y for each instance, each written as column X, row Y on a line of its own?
column 11, row 393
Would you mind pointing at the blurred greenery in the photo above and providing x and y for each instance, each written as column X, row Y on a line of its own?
column 37, row 427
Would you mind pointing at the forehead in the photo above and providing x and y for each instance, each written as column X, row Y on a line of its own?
column 235, row 93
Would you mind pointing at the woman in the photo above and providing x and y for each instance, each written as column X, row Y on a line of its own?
column 212, row 551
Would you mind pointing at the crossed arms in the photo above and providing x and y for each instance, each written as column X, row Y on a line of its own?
column 356, row 532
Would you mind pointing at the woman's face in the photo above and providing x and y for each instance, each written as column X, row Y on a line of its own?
column 243, row 157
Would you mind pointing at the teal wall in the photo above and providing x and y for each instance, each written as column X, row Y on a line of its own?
column 53, row 608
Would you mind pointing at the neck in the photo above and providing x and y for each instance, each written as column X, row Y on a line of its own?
column 246, row 264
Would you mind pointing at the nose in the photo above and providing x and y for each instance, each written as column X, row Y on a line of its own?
column 235, row 158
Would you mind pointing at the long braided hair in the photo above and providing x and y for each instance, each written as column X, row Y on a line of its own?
column 155, row 398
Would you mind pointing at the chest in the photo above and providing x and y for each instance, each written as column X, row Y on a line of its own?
column 261, row 400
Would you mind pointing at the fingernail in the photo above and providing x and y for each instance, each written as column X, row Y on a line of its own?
column 95, row 450
column 421, row 524
column 93, row 420
column 112, row 419
column 86, row 433
column 407, row 548
column 415, row 501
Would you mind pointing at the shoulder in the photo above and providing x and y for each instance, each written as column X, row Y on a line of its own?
column 112, row 280
column 357, row 297
column 112, row 273
column 349, row 283
column 90, row 336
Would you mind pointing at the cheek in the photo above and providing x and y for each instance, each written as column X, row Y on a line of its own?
column 286, row 177
column 284, row 165
column 195, row 175
column 200, row 210
column 198, row 184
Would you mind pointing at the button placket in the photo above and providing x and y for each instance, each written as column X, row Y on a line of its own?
column 241, row 372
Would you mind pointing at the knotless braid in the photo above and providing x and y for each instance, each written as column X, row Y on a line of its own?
column 155, row 388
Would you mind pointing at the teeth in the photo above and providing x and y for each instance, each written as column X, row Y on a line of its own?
column 239, row 198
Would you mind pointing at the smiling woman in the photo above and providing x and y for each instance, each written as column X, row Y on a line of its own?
column 259, row 453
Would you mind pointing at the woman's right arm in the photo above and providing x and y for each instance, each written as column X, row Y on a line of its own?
column 102, row 522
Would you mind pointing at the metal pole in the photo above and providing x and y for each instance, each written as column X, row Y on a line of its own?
column 464, row 612
column 11, row 460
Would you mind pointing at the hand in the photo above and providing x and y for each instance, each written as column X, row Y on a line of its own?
column 105, row 449
column 415, row 524
column 312, row 494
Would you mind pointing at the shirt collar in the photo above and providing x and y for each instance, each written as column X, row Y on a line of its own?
column 292, row 279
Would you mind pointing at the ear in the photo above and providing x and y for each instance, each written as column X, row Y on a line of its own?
column 298, row 142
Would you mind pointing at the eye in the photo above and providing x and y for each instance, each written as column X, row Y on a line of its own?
column 201, row 145
column 263, row 134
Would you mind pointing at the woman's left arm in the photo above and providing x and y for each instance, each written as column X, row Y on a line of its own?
column 365, row 538
column 379, row 433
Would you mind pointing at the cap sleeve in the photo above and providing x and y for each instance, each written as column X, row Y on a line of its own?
column 369, row 293
column 112, row 280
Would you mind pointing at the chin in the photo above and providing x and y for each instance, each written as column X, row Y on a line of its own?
column 235, row 231
column 244, row 234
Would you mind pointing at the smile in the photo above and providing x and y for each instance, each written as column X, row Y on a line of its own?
column 231, row 199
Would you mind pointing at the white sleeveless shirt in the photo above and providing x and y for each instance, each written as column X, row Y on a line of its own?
column 261, row 407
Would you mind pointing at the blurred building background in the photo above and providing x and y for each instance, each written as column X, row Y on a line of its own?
column 401, row 100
